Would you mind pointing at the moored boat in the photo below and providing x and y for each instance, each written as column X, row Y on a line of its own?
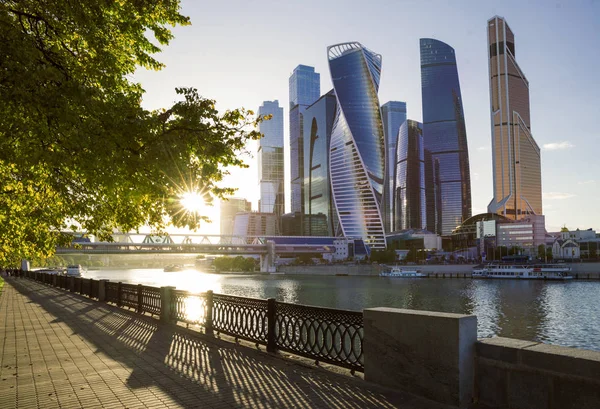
column 74, row 270
column 402, row 273
column 523, row 271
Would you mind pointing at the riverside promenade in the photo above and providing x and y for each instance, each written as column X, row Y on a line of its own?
column 63, row 350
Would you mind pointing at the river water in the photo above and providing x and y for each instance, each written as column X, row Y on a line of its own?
column 562, row 313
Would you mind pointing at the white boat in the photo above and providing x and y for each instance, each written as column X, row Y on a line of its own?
column 74, row 270
column 173, row 267
column 403, row 273
column 523, row 271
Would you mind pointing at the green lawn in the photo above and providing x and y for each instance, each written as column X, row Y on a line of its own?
column 1, row 284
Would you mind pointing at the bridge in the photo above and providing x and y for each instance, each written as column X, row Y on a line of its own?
column 267, row 247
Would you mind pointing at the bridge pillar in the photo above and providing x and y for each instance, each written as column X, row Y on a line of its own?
column 267, row 261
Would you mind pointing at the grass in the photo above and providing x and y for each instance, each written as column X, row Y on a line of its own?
column 1, row 284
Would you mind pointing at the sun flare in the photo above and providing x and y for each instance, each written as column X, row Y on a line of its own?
column 193, row 202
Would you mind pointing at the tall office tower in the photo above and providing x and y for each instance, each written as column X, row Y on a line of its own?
column 229, row 208
column 516, row 156
column 448, row 180
column 270, row 160
column 305, row 88
column 320, row 218
column 357, row 149
column 393, row 114
column 409, row 181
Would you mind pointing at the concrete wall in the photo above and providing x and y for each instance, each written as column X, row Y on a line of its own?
column 510, row 373
column 426, row 353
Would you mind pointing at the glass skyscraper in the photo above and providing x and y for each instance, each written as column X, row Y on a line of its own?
column 357, row 149
column 516, row 156
column 409, row 181
column 270, row 160
column 448, row 180
column 393, row 114
column 305, row 88
column 320, row 218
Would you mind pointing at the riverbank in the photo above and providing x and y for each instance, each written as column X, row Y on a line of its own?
column 580, row 271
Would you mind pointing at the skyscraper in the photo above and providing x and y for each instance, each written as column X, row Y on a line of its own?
column 229, row 208
column 270, row 160
column 516, row 155
column 393, row 114
column 357, row 149
column 305, row 87
column 318, row 202
column 409, row 181
column 448, row 180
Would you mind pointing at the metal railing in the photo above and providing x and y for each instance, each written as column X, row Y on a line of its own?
column 323, row 334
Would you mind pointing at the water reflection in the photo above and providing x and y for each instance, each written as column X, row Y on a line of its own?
column 559, row 313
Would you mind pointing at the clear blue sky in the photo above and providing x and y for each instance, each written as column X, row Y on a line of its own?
column 243, row 52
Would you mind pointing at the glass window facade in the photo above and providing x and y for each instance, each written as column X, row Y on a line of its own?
column 270, row 160
column 448, row 180
column 357, row 149
column 516, row 155
column 409, row 182
column 320, row 216
column 304, row 90
column 393, row 114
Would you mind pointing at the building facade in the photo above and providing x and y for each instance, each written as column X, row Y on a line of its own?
column 270, row 160
column 319, row 210
column 229, row 208
column 357, row 149
column 516, row 155
column 393, row 114
column 409, row 208
column 305, row 89
column 448, row 177
column 256, row 224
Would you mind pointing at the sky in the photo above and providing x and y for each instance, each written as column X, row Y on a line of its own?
column 241, row 53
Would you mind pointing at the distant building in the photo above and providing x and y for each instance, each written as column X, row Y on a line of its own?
column 270, row 160
column 565, row 247
column 256, row 224
column 229, row 208
column 319, row 210
column 393, row 114
column 409, row 208
column 517, row 173
column 447, row 174
column 414, row 238
column 357, row 149
column 527, row 234
column 305, row 88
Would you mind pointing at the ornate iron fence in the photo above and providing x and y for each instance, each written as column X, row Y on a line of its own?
column 188, row 308
column 325, row 334
column 129, row 296
column 112, row 292
column 244, row 318
column 151, row 300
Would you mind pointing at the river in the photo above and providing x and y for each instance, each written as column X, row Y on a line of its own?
column 562, row 313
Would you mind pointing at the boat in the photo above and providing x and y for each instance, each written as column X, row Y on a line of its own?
column 173, row 267
column 74, row 270
column 523, row 271
column 403, row 273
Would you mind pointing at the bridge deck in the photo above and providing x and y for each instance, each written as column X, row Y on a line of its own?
column 61, row 350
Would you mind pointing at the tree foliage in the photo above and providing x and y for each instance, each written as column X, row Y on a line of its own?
column 238, row 263
column 77, row 149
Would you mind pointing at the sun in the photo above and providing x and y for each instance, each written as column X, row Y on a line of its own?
column 193, row 202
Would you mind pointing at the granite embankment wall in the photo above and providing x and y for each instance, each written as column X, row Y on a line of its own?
column 510, row 373
column 579, row 270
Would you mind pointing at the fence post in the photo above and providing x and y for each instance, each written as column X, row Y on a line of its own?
column 166, row 295
column 54, row 280
column 101, row 290
column 119, row 293
column 208, row 320
column 271, row 346
column 140, row 288
column 71, row 284
column 91, row 287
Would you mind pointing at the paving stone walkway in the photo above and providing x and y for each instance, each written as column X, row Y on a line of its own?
column 62, row 350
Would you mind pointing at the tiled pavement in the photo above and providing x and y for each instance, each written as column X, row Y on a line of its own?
column 62, row 350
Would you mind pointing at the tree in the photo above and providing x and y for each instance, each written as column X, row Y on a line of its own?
column 77, row 149
column 541, row 251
